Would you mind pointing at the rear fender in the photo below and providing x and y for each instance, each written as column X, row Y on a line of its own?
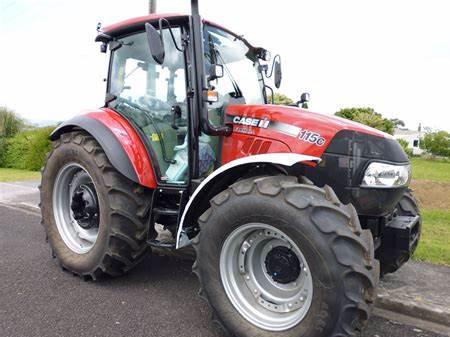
column 280, row 159
column 120, row 141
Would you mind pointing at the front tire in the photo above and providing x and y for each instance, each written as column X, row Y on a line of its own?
column 407, row 206
column 330, row 295
column 94, row 217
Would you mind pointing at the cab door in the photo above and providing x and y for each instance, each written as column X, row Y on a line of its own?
column 153, row 97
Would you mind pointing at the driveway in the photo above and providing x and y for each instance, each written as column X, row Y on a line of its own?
column 24, row 194
column 158, row 298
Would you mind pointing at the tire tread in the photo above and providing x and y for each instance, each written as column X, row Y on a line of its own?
column 118, row 258
column 364, row 270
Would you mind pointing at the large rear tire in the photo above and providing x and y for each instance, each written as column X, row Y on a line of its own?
column 109, row 238
column 276, row 257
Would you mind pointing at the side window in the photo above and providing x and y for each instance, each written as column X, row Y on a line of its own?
column 148, row 94
column 242, row 82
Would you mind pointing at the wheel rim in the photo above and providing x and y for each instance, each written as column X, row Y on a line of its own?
column 266, row 276
column 75, row 207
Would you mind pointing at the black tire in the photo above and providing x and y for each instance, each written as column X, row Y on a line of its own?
column 407, row 206
column 340, row 254
column 123, row 204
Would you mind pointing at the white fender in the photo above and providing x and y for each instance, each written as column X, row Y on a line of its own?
column 285, row 159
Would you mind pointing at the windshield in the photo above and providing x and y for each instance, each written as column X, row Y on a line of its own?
column 242, row 82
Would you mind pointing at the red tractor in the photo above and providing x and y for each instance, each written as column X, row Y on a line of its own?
column 293, row 214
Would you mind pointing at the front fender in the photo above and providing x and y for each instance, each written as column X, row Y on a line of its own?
column 120, row 141
column 283, row 159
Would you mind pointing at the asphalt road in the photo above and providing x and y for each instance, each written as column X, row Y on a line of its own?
column 159, row 298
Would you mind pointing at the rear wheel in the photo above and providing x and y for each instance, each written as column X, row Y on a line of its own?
column 279, row 258
column 93, row 216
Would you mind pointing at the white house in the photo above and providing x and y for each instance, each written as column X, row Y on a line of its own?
column 412, row 137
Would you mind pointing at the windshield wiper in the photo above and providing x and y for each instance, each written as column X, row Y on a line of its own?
column 214, row 55
column 237, row 90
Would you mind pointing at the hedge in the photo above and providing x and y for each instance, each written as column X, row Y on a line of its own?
column 27, row 150
column 3, row 147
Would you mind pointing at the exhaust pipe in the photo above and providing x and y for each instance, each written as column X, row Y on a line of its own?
column 194, row 8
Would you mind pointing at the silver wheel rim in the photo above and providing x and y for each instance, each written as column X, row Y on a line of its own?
column 78, row 239
column 254, row 293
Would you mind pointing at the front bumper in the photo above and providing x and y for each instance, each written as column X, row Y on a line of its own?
column 399, row 240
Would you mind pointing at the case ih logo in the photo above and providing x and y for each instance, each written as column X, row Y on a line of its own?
column 248, row 121
column 304, row 135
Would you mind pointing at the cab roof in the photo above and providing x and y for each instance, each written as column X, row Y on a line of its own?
column 133, row 24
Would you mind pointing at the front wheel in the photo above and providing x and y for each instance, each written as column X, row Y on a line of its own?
column 279, row 258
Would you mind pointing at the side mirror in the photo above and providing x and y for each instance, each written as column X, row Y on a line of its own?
column 304, row 99
column 155, row 43
column 263, row 54
column 215, row 72
column 278, row 74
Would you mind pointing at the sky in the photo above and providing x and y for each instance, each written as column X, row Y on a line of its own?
column 392, row 55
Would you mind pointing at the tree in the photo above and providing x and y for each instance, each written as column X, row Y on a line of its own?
column 10, row 123
column 404, row 144
column 437, row 143
column 369, row 117
column 397, row 122
column 281, row 99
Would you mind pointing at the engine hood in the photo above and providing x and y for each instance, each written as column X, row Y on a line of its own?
column 303, row 131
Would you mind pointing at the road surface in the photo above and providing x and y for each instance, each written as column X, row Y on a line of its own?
column 159, row 298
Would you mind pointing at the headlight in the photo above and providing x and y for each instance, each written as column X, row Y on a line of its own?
column 386, row 175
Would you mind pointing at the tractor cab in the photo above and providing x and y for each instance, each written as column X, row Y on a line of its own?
column 153, row 83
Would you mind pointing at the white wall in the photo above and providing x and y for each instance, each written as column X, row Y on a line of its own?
column 412, row 138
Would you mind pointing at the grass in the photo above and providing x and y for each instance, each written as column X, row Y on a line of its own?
column 435, row 170
column 434, row 245
column 7, row 174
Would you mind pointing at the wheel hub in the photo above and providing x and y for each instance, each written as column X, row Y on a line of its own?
column 84, row 206
column 266, row 277
column 282, row 265
column 76, row 208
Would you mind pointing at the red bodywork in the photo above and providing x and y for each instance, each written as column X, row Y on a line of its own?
column 131, row 143
column 245, row 140
column 248, row 140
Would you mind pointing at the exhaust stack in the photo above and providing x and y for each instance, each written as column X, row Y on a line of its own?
column 194, row 8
